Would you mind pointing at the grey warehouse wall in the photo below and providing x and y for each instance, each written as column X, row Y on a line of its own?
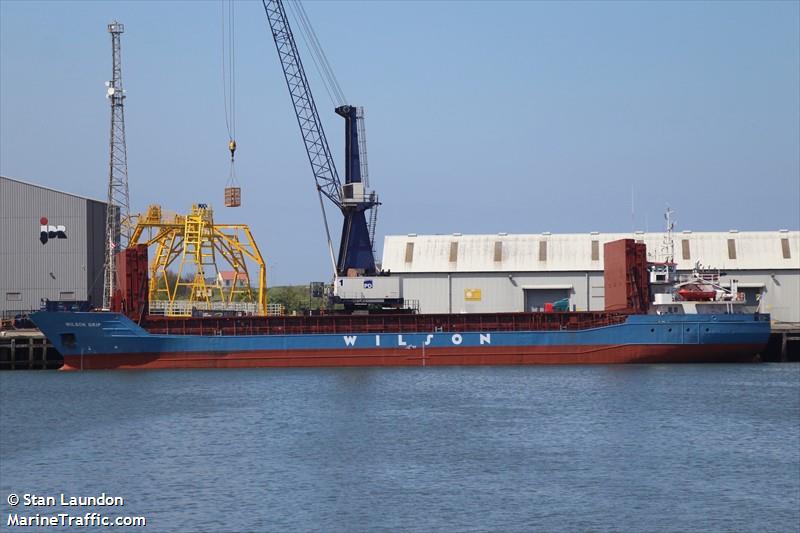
column 69, row 268
column 505, row 291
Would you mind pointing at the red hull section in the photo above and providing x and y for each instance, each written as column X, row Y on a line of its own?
column 531, row 355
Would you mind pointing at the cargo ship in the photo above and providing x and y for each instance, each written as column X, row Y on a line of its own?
column 643, row 323
column 690, row 324
column 103, row 340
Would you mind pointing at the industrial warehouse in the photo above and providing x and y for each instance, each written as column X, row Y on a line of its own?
column 53, row 246
column 511, row 273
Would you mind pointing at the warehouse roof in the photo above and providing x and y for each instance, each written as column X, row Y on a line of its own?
column 733, row 250
column 29, row 184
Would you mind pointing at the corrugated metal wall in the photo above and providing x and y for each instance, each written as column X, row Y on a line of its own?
column 745, row 250
column 497, row 292
column 780, row 291
column 60, row 268
column 440, row 268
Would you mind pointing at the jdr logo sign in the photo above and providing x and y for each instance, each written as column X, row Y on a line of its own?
column 46, row 231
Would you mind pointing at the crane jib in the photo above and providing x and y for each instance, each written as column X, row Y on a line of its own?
column 316, row 144
column 356, row 244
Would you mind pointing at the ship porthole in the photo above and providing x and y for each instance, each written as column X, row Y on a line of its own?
column 652, row 330
column 670, row 330
column 706, row 330
column 687, row 330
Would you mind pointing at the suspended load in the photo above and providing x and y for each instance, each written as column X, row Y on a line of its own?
column 233, row 193
column 233, row 196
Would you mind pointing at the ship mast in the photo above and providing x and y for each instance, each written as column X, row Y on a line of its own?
column 668, row 246
column 118, row 208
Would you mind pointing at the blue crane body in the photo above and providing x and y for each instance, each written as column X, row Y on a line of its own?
column 355, row 246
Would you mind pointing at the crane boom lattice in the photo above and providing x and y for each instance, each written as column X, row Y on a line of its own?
column 356, row 255
column 319, row 153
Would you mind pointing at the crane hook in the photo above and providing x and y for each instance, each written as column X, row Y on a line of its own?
column 232, row 147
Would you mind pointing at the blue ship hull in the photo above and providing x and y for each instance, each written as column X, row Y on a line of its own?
column 110, row 340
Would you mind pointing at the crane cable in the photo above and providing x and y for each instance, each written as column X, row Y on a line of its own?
column 320, row 60
column 329, row 81
column 326, row 66
column 229, row 80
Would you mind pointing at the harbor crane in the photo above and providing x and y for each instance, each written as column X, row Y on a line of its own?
column 356, row 258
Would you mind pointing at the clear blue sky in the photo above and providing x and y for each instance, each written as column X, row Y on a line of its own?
column 481, row 116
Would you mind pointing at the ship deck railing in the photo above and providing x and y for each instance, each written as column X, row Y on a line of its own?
column 188, row 308
column 379, row 324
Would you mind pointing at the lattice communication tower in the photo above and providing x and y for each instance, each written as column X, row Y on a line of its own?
column 118, row 224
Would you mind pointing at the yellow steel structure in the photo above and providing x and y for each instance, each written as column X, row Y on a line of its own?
column 197, row 243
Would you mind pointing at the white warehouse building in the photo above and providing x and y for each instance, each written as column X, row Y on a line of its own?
column 506, row 272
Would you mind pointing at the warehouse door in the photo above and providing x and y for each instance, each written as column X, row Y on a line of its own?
column 536, row 298
column 751, row 294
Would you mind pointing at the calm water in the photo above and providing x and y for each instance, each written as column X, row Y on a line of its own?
column 622, row 448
